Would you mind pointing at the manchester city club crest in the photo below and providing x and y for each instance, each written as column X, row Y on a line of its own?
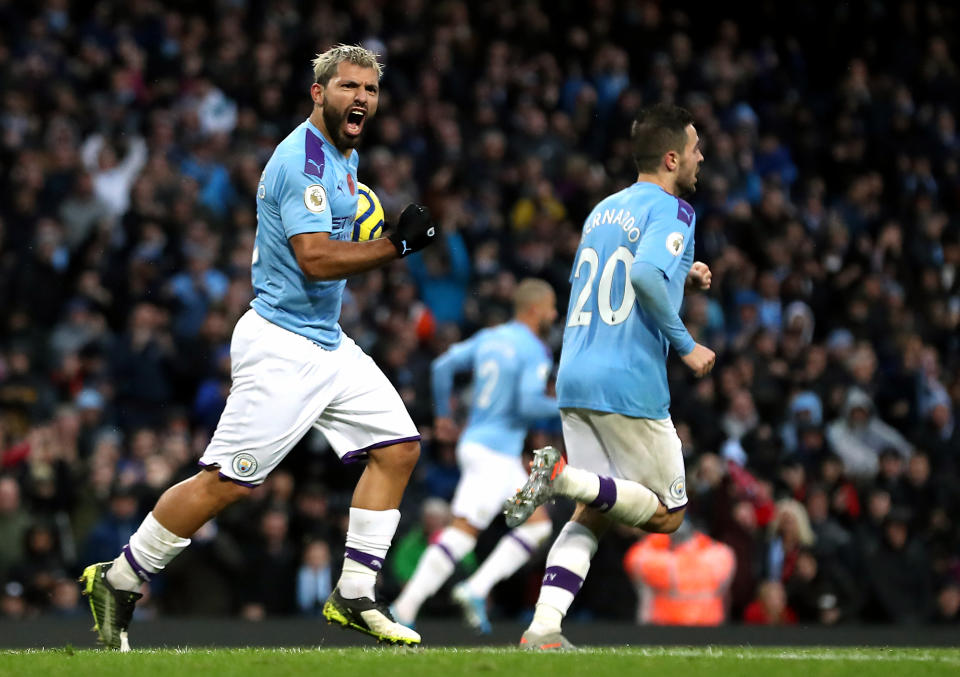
column 244, row 465
column 679, row 488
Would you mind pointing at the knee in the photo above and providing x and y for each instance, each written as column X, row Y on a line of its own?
column 223, row 491
column 666, row 523
column 397, row 458
column 231, row 492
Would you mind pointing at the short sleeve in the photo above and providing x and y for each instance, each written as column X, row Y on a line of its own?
column 303, row 201
column 665, row 239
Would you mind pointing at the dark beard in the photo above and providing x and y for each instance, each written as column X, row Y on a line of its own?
column 687, row 189
column 334, row 120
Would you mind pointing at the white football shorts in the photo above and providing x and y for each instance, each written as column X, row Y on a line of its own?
column 644, row 450
column 487, row 479
column 284, row 384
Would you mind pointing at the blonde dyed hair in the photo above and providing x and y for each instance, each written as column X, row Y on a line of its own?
column 796, row 510
column 530, row 292
column 325, row 65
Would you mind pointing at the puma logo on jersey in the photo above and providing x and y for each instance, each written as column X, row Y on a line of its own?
column 685, row 212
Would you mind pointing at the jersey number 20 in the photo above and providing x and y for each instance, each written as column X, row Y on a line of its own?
column 610, row 315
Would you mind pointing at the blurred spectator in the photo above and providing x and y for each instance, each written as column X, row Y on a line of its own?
column 14, row 522
column 825, row 595
column 441, row 275
column 681, row 578
column 205, row 574
column 115, row 528
column 789, row 532
column 769, row 607
column 271, row 569
column 65, row 598
column 113, row 176
column 948, row 604
column 859, row 436
column 834, row 543
column 898, row 582
column 314, row 578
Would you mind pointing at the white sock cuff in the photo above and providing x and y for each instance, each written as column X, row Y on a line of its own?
column 152, row 547
column 159, row 531
column 576, row 535
column 369, row 536
column 635, row 503
column 456, row 544
column 532, row 535
column 375, row 524
column 578, row 484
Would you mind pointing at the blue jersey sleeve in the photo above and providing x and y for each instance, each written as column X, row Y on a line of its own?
column 302, row 198
column 652, row 293
column 663, row 241
column 534, row 403
column 459, row 357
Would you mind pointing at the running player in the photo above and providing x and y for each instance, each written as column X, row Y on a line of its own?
column 625, row 461
column 510, row 365
column 293, row 368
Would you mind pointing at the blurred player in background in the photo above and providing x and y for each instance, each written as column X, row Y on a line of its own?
column 625, row 460
column 510, row 365
column 294, row 369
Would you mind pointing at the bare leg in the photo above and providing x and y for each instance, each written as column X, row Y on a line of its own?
column 187, row 506
column 385, row 478
column 664, row 522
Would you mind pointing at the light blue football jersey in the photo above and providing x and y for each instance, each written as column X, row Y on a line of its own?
column 510, row 367
column 614, row 356
column 306, row 187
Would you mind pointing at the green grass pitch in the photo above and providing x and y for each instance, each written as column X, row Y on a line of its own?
column 389, row 662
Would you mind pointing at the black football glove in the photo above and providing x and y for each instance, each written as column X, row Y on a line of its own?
column 415, row 230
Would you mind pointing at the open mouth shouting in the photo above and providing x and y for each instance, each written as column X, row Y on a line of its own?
column 353, row 125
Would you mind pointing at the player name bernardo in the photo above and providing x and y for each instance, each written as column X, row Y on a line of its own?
column 621, row 217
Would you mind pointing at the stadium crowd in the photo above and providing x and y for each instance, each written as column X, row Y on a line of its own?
column 824, row 450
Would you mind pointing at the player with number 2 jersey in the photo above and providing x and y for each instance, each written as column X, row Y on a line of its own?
column 510, row 365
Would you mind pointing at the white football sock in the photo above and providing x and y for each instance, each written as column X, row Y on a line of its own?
column 151, row 548
column 369, row 535
column 567, row 565
column 434, row 568
column 622, row 500
column 512, row 551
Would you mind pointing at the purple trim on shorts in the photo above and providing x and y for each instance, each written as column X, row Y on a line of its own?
column 679, row 507
column 216, row 466
column 361, row 454
column 141, row 573
column 364, row 558
column 607, row 495
column 562, row 578
column 446, row 551
column 526, row 546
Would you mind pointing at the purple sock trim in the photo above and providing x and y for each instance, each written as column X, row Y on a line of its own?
column 446, row 551
column 364, row 558
column 361, row 454
column 607, row 495
column 216, row 466
column 526, row 546
column 562, row 578
column 141, row 573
